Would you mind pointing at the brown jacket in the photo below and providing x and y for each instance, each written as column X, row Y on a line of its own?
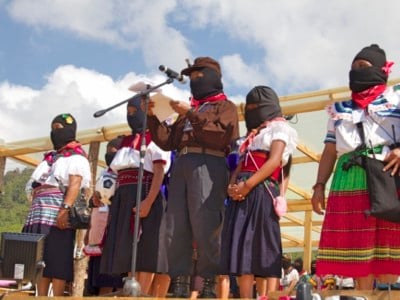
column 213, row 126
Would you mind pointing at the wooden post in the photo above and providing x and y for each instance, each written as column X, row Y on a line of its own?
column 307, row 240
column 2, row 169
column 81, row 261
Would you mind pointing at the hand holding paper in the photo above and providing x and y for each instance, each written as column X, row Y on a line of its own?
column 161, row 107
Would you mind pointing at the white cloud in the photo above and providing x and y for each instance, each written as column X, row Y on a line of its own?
column 303, row 44
column 27, row 113
column 140, row 24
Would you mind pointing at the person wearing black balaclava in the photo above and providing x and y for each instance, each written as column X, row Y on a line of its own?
column 66, row 165
column 368, row 245
column 97, row 283
column 201, row 135
column 117, row 252
column 250, row 217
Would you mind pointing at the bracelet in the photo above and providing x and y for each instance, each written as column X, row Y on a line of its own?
column 317, row 184
column 65, row 206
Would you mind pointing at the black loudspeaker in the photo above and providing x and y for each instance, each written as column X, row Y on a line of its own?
column 21, row 256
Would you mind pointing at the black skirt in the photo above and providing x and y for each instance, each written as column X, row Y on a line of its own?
column 117, row 252
column 251, row 238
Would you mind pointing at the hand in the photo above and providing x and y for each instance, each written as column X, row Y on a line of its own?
column 96, row 199
column 180, row 107
column 63, row 219
column 393, row 161
column 145, row 207
column 238, row 192
column 318, row 199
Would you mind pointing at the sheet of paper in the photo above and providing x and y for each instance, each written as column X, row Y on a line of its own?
column 161, row 108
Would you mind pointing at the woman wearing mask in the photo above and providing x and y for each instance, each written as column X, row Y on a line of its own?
column 251, row 235
column 117, row 252
column 353, row 244
column 66, row 165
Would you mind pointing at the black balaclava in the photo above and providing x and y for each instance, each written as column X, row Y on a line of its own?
column 62, row 136
column 365, row 78
column 209, row 84
column 114, row 143
column 135, row 121
column 267, row 108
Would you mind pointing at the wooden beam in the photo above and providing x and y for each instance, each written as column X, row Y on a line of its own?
column 311, row 154
column 3, row 160
column 94, row 149
column 307, row 240
column 26, row 160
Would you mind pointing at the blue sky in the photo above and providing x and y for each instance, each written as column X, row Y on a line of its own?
column 80, row 56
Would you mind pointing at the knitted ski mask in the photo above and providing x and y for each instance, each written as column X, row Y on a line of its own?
column 364, row 78
column 135, row 121
column 62, row 136
column 267, row 107
column 114, row 143
column 208, row 85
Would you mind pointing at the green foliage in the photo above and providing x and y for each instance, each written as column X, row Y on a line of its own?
column 14, row 205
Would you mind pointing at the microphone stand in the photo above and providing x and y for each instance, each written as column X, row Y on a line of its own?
column 131, row 286
column 138, row 95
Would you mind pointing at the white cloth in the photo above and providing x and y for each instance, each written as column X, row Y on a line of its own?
column 378, row 129
column 288, row 278
column 127, row 157
column 62, row 168
column 105, row 185
column 276, row 130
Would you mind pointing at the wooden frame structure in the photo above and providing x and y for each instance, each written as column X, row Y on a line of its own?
column 291, row 105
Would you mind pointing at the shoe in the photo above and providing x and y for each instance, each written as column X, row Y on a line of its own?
column 181, row 287
column 208, row 290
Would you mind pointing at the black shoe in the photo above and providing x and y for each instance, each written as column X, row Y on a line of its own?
column 181, row 287
column 208, row 290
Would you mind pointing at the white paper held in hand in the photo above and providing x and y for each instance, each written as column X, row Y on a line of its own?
column 161, row 108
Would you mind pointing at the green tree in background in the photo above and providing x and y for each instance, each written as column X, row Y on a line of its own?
column 14, row 205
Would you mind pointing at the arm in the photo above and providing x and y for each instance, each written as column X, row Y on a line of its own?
column 273, row 162
column 217, row 126
column 158, row 176
column 69, row 199
column 325, row 168
column 232, row 187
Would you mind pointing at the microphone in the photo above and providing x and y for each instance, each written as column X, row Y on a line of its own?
column 172, row 74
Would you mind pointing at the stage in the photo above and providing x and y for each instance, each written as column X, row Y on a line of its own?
column 370, row 295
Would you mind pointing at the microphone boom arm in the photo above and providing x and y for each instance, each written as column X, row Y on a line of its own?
column 138, row 95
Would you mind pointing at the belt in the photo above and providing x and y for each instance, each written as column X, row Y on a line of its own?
column 188, row 149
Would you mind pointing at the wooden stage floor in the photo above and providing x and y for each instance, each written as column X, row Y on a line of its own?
column 370, row 295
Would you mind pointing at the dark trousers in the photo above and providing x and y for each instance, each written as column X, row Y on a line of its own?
column 195, row 207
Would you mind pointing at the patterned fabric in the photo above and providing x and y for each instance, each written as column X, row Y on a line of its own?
column 381, row 122
column 351, row 243
column 46, row 203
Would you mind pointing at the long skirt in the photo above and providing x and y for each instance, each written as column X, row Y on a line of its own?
column 251, row 237
column 353, row 244
column 59, row 244
column 117, row 252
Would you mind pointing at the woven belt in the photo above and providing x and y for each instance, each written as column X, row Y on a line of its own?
column 188, row 149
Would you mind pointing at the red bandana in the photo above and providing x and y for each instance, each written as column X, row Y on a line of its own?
column 72, row 148
column 362, row 99
column 218, row 97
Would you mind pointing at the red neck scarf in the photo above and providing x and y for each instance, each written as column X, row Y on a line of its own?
column 72, row 148
column 218, row 97
column 362, row 99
